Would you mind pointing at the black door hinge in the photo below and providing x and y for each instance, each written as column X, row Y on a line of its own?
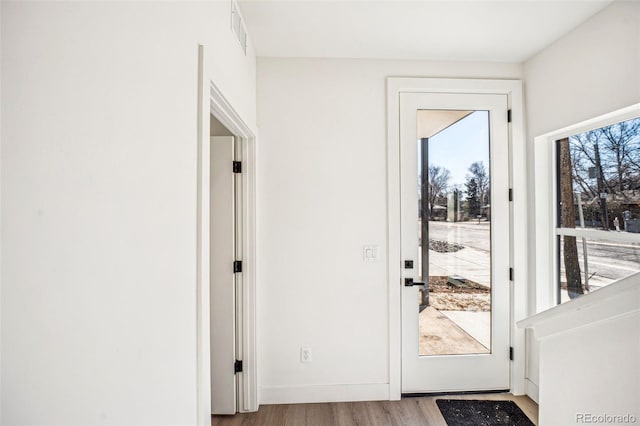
column 510, row 274
column 510, row 194
column 237, row 167
column 237, row 266
column 511, row 353
column 237, row 367
column 509, row 116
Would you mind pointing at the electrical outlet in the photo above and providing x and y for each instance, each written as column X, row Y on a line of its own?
column 305, row 355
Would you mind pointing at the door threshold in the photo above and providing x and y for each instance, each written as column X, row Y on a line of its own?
column 475, row 392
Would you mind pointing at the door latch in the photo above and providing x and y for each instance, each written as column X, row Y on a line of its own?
column 409, row 282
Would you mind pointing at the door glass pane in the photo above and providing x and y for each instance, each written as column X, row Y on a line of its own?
column 454, row 227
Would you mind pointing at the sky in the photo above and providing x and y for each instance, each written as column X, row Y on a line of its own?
column 461, row 144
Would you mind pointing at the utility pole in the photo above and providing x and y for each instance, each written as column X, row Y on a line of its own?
column 584, row 242
column 604, row 214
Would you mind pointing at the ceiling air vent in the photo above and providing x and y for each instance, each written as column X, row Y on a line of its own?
column 237, row 25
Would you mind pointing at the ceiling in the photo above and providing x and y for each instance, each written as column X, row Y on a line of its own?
column 444, row 30
column 433, row 121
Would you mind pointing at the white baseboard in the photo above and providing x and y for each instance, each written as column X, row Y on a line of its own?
column 531, row 389
column 323, row 393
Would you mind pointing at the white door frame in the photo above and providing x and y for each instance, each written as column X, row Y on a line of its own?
column 212, row 102
column 518, row 232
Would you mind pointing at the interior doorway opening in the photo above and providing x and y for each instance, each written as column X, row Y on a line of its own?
column 225, row 271
column 227, row 345
column 216, row 116
column 216, row 128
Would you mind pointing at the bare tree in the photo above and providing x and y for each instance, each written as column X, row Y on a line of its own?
column 602, row 194
column 607, row 161
column 568, row 219
column 438, row 183
column 620, row 143
column 613, row 152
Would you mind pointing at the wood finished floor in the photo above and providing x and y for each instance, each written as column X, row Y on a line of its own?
column 407, row 412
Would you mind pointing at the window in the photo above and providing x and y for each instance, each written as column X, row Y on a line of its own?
column 597, row 208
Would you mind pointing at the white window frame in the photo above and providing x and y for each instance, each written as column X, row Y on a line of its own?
column 546, row 206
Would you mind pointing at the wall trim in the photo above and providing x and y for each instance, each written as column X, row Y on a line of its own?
column 212, row 101
column 203, row 356
column 519, row 212
column 532, row 390
column 323, row 393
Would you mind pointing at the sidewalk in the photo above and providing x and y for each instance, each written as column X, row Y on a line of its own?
column 468, row 263
column 439, row 335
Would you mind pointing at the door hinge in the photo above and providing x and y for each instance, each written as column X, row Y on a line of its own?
column 509, row 116
column 510, row 353
column 237, row 167
column 237, row 266
column 510, row 274
column 237, row 367
column 510, row 194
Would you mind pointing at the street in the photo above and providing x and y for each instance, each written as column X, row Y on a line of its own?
column 607, row 262
column 469, row 234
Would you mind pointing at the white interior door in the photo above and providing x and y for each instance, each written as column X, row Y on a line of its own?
column 223, row 286
column 457, row 337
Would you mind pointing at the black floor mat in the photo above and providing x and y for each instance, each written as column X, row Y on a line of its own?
column 469, row 412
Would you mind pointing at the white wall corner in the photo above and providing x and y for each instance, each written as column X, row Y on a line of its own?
column 393, row 233
column 1, row 4
column 520, row 255
column 203, row 386
column 532, row 390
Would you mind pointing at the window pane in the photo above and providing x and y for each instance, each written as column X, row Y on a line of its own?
column 587, row 265
column 598, row 187
column 599, row 178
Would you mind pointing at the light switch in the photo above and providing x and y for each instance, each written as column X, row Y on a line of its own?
column 370, row 253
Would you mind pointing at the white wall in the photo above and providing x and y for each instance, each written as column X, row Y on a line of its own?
column 593, row 70
column 589, row 364
column 1, row 32
column 99, row 147
column 322, row 196
column 592, row 370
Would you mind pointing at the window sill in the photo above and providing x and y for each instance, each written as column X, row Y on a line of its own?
column 613, row 301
